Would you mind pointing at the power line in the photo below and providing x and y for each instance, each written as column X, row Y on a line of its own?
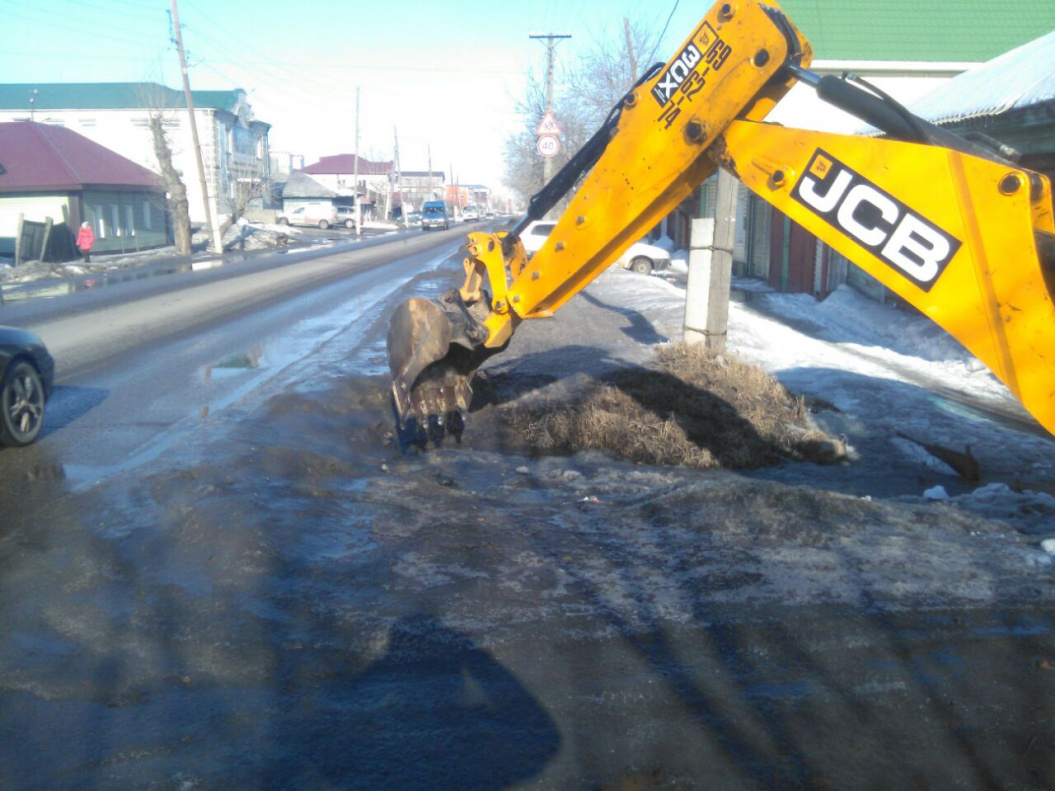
column 659, row 40
column 144, row 11
column 95, row 29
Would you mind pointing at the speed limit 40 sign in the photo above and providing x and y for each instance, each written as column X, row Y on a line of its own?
column 548, row 145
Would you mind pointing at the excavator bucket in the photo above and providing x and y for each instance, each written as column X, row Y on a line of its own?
column 434, row 348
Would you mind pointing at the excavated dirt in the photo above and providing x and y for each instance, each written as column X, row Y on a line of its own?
column 687, row 407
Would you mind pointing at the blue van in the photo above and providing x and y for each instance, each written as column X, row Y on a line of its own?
column 434, row 215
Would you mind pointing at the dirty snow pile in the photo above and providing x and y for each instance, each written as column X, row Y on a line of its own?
column 250, row 236
column 892, row 376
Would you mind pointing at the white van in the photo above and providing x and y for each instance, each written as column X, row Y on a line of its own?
column 322, row 215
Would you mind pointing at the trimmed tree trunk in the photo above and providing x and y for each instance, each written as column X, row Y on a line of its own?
column 178, row 205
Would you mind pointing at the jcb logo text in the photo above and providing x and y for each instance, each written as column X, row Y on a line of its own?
column 879, row 222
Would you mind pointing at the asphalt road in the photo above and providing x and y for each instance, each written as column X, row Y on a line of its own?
column 144, row 363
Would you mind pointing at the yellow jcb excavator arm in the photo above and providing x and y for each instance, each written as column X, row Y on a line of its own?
column 952, row 228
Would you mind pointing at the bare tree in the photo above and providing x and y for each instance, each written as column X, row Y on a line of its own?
column 608, row 70
column 524, row 165
column 245, row 193
column 179, row 207
column 586, row 93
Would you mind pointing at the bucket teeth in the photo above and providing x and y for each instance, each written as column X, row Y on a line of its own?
column 434, row 348
column 439, row 400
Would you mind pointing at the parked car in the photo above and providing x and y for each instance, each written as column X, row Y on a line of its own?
column 434, row 215
column 310, row 214
column 640, row 257
column 346, row 216
column 470, row 214
column 644, row 258
column 536, row 234
column 414, row 219
column 27, row 374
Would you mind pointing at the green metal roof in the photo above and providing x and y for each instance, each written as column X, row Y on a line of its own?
column 919, row 30
column 106, row 96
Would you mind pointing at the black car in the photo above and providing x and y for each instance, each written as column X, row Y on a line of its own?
column 27, row 373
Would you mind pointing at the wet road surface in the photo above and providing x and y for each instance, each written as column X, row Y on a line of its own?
column 284, row 599
column 154, row 367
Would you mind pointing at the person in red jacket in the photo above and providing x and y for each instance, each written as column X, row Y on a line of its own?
column 85, row 240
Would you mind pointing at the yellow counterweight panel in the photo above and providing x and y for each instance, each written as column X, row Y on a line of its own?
column 657, row 156
column 951, row 234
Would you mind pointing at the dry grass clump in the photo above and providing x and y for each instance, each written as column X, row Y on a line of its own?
column 693, row 408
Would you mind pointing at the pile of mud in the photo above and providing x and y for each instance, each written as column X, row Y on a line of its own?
column 688, row 407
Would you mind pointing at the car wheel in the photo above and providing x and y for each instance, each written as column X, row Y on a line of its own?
column 283, row 221
column 349, row 224
column 641, row 265
column 323, row 224
column 21, row 405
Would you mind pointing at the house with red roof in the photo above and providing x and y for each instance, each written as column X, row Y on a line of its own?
column 338, row 173
column 380, row 185
column 52, row 172
column 234, row 143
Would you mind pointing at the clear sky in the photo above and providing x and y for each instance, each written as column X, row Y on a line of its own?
column 445, row 75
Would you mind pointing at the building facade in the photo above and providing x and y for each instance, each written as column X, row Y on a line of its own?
column 57, row 177
column 234, row 145
column 374, row 187
column 382, row 189
column 418, row 186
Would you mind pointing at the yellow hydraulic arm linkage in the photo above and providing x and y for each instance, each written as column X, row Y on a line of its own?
column 956, row 230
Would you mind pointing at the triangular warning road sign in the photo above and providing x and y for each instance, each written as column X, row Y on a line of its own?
column 548, row 125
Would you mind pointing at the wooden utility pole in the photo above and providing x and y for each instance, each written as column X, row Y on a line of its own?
column 355, row 169
column 710, row 270
column 551, row 44
column 212, row 232
column 630, row 51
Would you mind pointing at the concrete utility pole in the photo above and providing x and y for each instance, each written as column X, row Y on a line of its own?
column 711, row 269
column 395, row 186
column 551, row 44
column 212, row 231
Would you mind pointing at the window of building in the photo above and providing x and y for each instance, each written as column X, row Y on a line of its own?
column 130, row 220
column 100, row 222
column 115, row 220
column 146, row 215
